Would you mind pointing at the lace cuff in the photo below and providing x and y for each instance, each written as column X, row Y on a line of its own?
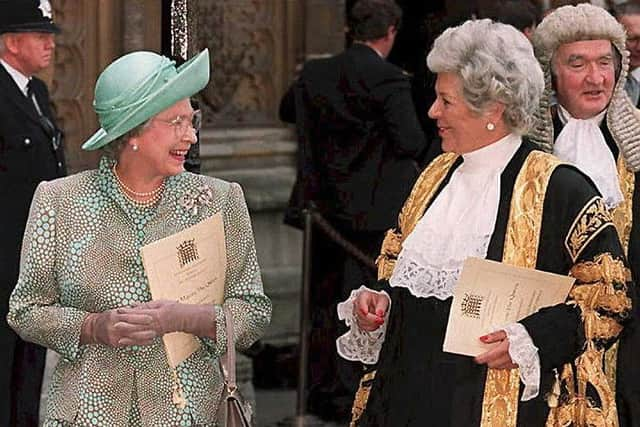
column 359, row 345
column 525, row 354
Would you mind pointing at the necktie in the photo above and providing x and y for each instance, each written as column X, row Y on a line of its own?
column 46, row 124
column 31, row 95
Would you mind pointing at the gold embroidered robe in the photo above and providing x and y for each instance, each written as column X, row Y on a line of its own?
column 417, row 384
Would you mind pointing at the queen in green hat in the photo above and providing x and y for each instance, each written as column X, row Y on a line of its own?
column 83, row 291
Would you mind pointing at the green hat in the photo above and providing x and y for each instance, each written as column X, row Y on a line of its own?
column 139, row 85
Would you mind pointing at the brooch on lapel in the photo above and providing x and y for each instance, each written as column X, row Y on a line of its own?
column 203, row 196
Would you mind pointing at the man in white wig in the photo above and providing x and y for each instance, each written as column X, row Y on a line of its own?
column 591, row 123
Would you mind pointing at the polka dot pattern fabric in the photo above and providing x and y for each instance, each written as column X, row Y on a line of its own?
column 81, row 254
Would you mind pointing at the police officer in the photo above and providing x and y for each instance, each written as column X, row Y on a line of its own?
column 30, row 152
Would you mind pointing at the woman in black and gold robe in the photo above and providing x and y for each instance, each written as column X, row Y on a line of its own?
column 491, row 195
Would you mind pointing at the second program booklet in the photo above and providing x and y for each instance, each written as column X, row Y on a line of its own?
column 490, row 295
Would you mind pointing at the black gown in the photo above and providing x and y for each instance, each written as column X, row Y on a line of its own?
column 417, row 384
column 628, row 370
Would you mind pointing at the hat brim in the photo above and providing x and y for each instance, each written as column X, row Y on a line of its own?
column 31, row 27
column 191, row 78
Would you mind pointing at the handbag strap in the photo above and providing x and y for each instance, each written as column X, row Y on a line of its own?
column 229, row 360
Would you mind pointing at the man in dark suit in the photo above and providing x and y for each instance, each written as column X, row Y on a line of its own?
column 360, row 145
column 30, row 152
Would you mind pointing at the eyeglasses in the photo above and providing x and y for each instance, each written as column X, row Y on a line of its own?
column 181, row 123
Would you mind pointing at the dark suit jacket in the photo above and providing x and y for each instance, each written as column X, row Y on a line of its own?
column 26, row 158
column 360, row 139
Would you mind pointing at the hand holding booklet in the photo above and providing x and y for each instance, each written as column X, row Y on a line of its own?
column 490, row 295
column 188, row 267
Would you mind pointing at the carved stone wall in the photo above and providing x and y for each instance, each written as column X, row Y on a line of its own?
column 243, row 40
column 255, row 45
column 94, row 33
column 70, row 88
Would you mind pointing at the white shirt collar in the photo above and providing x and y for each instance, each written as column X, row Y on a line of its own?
column 492, row 157
column 370, row 47
column 20, row 79
column 377, row 51
column 565, row 116
column 636, row 74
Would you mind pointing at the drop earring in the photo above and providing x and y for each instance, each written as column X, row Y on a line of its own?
column 134, row 147
column 490, row 126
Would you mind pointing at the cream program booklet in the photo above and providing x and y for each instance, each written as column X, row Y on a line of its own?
column 491, row 294
column 188, row 267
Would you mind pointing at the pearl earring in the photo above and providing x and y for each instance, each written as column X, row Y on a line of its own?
column 490, row 126
column 134, row 147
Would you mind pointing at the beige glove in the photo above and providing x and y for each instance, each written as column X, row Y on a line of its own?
column 171, row 316
column 117, row 330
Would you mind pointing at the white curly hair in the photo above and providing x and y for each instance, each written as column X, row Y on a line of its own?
column 495, row 63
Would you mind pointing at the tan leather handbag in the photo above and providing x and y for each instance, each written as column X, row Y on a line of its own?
column 233, row 410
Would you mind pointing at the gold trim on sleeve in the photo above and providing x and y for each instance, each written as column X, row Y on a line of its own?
column 591, row 220
column 600, row 286
column 623, row 220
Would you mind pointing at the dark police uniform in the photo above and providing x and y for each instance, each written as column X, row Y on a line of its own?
column 30, row 152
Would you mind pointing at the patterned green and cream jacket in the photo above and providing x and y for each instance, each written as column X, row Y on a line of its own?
column 81, row 254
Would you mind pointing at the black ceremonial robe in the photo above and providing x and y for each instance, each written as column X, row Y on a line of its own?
column 628, row 369
column 417, row 384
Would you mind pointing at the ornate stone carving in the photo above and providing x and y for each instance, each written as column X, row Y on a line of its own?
column 69, row 76
column 241, row 38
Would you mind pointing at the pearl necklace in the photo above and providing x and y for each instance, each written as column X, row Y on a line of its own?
column 154, row 194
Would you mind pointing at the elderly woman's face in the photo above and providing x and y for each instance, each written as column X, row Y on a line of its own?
column 458, row 125
column 163, row 145
column 584, row 74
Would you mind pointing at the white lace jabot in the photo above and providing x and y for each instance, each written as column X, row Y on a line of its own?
column 458, row 224
column 581, row 142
